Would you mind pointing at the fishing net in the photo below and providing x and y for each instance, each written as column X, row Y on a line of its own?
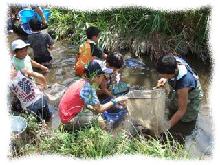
column 147, row 107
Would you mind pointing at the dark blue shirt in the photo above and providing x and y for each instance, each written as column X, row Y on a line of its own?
column 186, row 81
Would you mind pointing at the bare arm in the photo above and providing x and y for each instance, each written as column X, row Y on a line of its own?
column 103, row 107
column 40, row 12
column 76, row 59
column 37, row 65
column 41, row 79
column 182, row 105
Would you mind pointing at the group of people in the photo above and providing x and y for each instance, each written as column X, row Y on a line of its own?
column 100, row 74
column 26, row 84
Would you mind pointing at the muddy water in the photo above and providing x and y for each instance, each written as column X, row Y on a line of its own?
column 61, row 75
column 199, row 144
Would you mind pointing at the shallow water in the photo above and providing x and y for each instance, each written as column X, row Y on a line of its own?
column 62, row 74
column 199, row 144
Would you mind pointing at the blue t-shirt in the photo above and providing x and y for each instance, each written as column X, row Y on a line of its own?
column 184, row 79
column 88, row 95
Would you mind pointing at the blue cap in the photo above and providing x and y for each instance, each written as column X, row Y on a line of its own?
column 93, row 69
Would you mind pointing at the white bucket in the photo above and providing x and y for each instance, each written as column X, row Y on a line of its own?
column 18, row 125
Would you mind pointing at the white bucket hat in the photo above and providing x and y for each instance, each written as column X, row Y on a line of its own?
column 18, row 44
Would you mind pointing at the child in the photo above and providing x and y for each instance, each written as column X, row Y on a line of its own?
column 82, row 93
column 112, row 85
column 185, row 98
column 29, row 94
column 23, row 29
column 40, row 42
column 21, row 59
column 88, row 51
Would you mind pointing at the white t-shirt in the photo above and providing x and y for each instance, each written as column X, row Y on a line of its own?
column 25, row 89
column 182, row 71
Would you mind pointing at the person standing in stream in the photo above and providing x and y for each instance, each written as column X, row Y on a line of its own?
column 184, row 98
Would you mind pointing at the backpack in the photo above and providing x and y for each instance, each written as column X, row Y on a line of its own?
column 84, row 57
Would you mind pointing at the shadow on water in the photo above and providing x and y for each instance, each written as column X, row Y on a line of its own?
column 62, row 73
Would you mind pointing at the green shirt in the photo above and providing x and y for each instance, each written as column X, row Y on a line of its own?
column 24, row 63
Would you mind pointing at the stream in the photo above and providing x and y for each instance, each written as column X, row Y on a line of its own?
column 61, row 75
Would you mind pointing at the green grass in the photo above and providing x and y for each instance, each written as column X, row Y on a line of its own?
column 181, row 30
column 92, row 143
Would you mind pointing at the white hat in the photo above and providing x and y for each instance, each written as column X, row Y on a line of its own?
column 18, row 44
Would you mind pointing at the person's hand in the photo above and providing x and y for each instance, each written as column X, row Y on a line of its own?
column 161, row 82
column 164, row 126
column 44, row 69
column 121, row 99
column 104, row 56
column 44, row 22
column 42, row 87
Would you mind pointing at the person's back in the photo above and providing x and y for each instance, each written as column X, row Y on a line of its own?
column 88, row 50
column 25, row 89
column 71, row 104
column 30, row 96
column 40, row 42
column 84, row 57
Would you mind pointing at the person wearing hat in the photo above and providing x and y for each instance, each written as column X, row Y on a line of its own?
column 21, row 59
column 22, row 62
column 82, row 94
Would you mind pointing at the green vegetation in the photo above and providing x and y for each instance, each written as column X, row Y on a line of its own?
column 181, row 32
column 91, row 143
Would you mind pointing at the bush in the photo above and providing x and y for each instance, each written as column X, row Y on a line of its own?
column 181, row 32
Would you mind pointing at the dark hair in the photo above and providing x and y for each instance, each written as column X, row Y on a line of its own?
column 92, row 31
column 93, row 69
column 167, row 64
column 35, row 24
column 115, row 60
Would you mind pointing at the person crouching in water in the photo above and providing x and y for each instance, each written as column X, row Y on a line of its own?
column 82, row 94
column 28, row 93
column 185, row 98
column 112, row 84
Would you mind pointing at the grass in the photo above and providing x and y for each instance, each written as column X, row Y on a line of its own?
column 91, row 143
column 183, row 30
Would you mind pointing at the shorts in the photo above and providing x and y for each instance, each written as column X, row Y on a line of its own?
column 41, row 110
column 43, row 59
